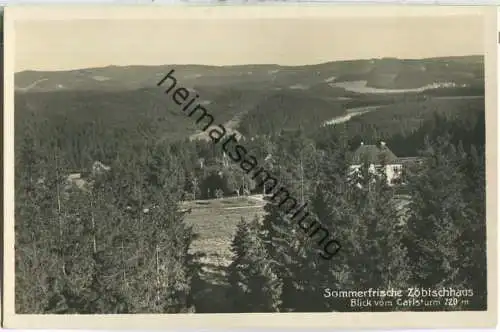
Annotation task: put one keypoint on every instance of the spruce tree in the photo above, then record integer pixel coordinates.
(473, 249)
(165, 261)
(439, 219)
(255, 286)
(359, 207)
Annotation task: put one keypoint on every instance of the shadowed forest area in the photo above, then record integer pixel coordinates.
(158, 222)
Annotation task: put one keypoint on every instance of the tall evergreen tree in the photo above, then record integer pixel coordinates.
(473, 249)
(255, 286)
(439, 218)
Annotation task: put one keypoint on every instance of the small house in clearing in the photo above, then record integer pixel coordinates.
(83, 179)
(378, 155)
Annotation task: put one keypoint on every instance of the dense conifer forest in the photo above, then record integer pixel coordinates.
(121, 242)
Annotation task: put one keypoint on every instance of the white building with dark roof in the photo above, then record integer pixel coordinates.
(376, 156)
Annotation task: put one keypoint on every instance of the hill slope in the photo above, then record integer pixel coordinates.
(381, 73)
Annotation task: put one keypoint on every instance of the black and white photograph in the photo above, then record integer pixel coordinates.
(218, 163)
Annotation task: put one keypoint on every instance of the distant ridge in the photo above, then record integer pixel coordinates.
(380, 73)
(473, 58)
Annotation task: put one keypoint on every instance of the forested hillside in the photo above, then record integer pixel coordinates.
(379, 73)
(132, 239)
(401, 125)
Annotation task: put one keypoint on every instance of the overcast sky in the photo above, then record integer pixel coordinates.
(72, 44)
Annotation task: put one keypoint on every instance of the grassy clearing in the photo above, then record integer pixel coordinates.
(215, 223)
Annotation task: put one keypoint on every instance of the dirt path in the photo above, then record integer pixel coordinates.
(352, 112)
(32, 85)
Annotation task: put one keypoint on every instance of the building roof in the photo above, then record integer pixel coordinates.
(373, 154)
